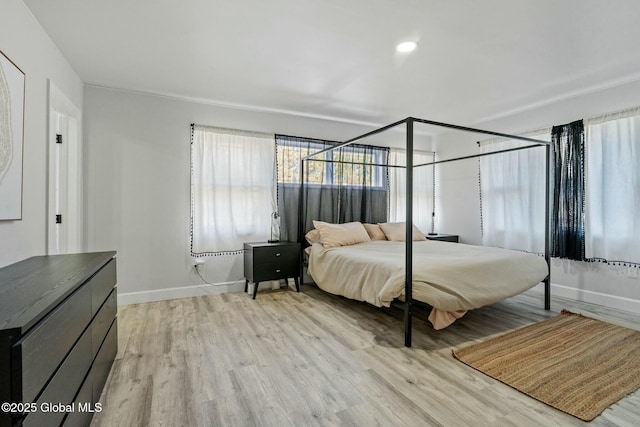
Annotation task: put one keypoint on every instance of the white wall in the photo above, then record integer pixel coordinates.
(458, 207)
(27, 45)
(137, 188)
(137, 194)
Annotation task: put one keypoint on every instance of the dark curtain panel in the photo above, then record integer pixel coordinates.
(567, 219)
(342, 185)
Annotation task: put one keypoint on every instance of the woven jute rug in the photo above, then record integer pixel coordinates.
(574, 363)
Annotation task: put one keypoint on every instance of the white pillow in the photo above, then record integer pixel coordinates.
(313, 236)
(395, 231)
(375, 232)
(333, 235)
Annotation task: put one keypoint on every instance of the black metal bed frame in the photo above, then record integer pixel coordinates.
(408, 303)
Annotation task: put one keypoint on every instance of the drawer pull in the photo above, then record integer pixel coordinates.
(277, 254)
(277, 270)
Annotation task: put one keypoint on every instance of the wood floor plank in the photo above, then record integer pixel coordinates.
(314, 359)
(379, 392)
(427, 390)
(366, 414)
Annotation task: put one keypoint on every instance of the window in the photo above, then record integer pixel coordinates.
(342, 186)
(512, 194)
(232, 189)
(423, 189)
(346, 166)
(608, 228)
(612, 203)
(289, 155)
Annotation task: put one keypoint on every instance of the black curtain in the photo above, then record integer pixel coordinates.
(567, 219)
(341, 185)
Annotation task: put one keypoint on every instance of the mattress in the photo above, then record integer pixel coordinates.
(450, 277)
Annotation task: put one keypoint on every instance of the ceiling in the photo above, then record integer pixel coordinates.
(336, 59)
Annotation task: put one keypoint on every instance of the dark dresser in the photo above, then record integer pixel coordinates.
(271, 261)
(58, 338)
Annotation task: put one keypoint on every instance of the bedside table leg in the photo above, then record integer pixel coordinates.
(255, 289)
(246, 285)
(295, 279)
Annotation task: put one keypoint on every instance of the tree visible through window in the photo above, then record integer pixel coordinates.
(348, 166)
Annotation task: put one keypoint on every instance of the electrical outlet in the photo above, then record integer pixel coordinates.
(197, 262)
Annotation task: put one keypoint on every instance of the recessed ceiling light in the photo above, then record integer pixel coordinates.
(406, 47)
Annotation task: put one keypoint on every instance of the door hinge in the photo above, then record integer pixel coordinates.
(58, 219)
(58, 138)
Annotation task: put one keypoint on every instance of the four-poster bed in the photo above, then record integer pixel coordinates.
(407, 300)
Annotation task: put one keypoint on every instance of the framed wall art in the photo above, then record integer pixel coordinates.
(12, 83)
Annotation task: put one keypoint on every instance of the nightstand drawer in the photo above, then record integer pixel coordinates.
(283, 255)
(274, 271)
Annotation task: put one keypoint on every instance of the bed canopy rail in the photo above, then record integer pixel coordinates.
(409, 123)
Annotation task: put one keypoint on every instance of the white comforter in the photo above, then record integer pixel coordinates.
(451, 277)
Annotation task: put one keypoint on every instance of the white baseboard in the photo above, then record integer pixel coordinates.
(190, 291)
(182, 292)
(613, 301)
(592, 297)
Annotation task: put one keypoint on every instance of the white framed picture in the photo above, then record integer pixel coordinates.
(12, 81)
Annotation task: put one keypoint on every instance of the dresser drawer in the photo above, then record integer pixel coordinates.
(84, 396)
(40, 351)
(104, 359)
(102, 321)
(101, 285)
(64, 384)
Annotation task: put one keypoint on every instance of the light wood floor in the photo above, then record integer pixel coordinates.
(313, 359)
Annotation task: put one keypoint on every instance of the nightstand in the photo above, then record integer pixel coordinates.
(271, 261)
(443, 237)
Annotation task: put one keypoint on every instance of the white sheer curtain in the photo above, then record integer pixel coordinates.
(422, 189)
(513, 194)
(612, 169)
(233, 183)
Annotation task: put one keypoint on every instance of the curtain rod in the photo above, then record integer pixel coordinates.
(622, 114)
(334, 145)
(224, 129)
(307, 138)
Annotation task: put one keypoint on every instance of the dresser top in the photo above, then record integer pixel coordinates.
(31, 288)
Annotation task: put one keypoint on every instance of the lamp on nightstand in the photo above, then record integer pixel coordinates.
(275, 228)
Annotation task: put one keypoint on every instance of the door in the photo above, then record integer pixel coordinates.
(64, 215)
